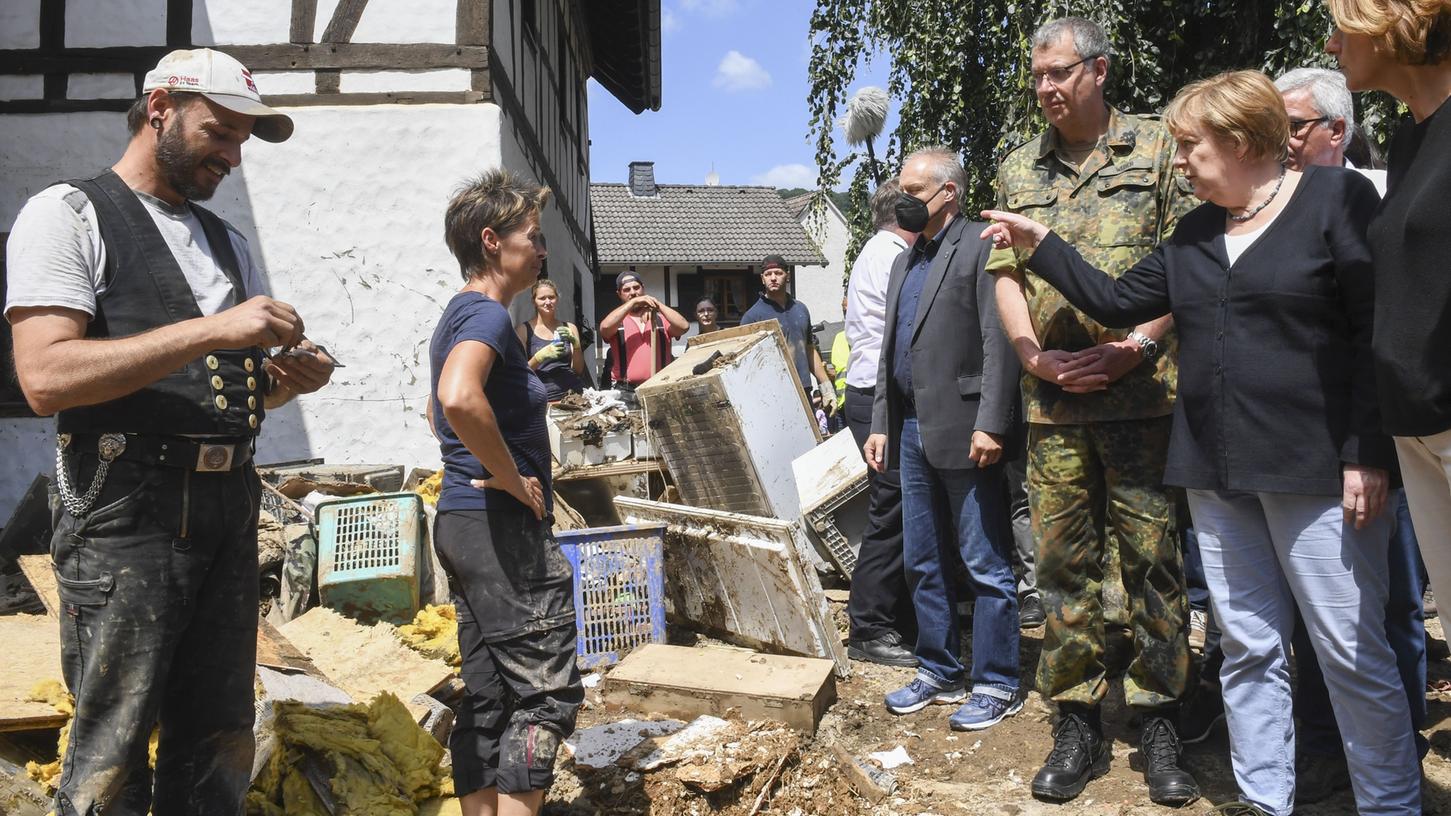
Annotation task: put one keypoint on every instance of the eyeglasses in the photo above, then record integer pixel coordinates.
(1058, 75)
(1299, 127)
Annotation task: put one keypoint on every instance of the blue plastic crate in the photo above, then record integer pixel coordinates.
(619, 589)
(368, 561)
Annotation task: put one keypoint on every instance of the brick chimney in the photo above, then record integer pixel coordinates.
(642, 179)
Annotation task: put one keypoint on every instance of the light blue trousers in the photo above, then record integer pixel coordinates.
(1265, 553)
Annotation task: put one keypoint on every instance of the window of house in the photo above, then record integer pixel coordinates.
(733, 291)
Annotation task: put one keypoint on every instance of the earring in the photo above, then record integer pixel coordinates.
(156, 122)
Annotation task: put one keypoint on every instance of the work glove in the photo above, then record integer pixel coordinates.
(563, 333)
(550, 353)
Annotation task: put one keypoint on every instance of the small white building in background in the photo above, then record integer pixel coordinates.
(821, 287)
(396, 102)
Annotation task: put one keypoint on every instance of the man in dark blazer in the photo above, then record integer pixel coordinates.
(945, 403)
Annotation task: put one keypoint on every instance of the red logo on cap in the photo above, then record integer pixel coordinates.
(247, 77)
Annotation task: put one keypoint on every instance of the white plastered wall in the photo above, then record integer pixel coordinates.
(820, 287)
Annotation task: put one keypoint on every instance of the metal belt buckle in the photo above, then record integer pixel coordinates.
(214, 457)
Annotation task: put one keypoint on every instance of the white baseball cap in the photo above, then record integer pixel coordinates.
(223, 80)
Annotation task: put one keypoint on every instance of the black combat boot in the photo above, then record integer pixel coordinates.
(1159, 748)
(1079, 754)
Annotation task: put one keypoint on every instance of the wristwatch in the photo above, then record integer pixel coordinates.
(1147, 345)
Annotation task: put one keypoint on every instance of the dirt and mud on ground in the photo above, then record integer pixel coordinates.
(951, 772)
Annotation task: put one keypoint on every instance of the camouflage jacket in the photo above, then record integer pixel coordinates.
(1124, 201)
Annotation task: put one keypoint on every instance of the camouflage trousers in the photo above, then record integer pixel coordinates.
(1095, 490)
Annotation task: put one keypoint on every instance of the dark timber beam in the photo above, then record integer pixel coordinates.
(278, 57)
(178, 23)
(344, 21)
(304, 21)
(472, 26)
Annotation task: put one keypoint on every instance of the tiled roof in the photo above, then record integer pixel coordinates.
(697, 224)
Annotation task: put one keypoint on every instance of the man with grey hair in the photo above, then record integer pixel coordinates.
(880, 607)
(1098, 403)
(1322, 121)
(944, 407)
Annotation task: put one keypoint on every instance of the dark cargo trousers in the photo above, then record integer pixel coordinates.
(158, 592)
(513, 591)
(1091, 487)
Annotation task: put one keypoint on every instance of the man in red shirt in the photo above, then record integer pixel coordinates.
(628, 331)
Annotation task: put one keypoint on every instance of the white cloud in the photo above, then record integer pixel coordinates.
(787, 176)
(711, 8)
(738, 72)
(669, 23)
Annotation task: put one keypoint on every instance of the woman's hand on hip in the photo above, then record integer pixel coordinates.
(1364, 494)
(526, 489)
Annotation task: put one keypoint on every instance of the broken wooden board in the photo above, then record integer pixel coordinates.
(685, 683)
(32, 645)
(364, 660)
(275, 651)
(41, 574)
(743, 579)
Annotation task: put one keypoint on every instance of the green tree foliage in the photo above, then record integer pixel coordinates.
(960, 71)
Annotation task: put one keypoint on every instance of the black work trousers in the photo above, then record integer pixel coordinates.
(158, 594)
(880, 601)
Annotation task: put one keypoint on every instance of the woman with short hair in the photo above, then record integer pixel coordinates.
(1403, 47)
(1276, 431)
(511, 585)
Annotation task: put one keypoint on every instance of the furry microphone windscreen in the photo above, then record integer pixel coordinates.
(866, 112)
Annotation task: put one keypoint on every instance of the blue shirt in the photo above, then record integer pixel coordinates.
(909, 299)
(795, 322)
(514, 392)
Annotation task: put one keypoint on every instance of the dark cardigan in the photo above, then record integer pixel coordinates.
(1412, 248)
(1276, 378)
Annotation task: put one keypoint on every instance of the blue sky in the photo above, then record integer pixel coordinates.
(734, 95)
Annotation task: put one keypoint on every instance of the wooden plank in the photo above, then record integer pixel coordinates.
(344, 20)
(325, 82)
(364, 661)
(178, 23)
(685, 683)
(390, 98)
(41, 575)
(304, 21)
(275, 651)
(32, 655)
(624, 467)
(472, 24)
(270, 57)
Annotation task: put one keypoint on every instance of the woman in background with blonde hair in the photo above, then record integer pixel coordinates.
(553, 345)
(1276, 434)
(1403, 47)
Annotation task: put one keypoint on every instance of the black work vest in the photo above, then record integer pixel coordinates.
(219, 393)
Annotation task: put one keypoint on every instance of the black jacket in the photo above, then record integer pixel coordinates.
(1276, 380)
(964, 372)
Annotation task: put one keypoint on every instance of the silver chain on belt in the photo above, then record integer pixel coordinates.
(109, 447)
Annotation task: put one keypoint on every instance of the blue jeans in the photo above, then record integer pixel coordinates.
(964, 510)
(1265, 554)
(1405, 629)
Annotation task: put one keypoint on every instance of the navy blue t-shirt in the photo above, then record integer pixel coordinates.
(514, 392)
(795, 324)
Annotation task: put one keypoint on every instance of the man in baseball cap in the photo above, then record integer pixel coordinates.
(639, 331)
(224, 81)
(143, 322)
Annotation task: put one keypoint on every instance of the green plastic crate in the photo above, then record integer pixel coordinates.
(368, 555)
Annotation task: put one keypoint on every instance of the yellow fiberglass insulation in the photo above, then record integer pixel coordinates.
(430, 488)
(433, 633)
(54, 693)
(374, 759)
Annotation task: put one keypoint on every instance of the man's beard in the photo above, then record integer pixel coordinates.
(180, 167)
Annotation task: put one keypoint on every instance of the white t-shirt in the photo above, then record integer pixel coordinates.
(866, 306)
(55, 256)
(1235, 245)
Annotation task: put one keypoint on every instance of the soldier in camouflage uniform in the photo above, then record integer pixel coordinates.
(1098, 404)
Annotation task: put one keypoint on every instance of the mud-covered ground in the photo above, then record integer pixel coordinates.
(952, 772)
